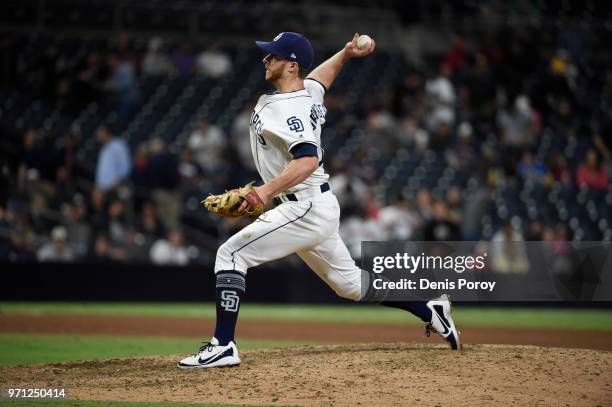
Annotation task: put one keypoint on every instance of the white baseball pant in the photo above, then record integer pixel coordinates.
(307, 227)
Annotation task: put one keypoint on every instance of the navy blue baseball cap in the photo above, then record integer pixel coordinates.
(291, 46)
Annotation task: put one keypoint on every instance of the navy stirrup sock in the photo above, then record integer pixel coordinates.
(418, 308)
(230, 288)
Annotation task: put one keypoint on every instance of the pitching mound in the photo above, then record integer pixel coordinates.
(397, 374)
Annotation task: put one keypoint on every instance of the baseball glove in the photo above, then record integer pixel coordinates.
(228, 204)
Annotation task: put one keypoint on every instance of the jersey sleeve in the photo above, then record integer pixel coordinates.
(316, 89)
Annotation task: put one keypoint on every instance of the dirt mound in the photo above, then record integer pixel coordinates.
(397, 374)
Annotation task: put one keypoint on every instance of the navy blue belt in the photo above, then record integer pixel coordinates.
(292, 197)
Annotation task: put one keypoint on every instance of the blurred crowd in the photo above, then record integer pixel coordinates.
(129, 208)
(481, 109)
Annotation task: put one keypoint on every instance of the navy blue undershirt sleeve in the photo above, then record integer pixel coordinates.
(304, 150)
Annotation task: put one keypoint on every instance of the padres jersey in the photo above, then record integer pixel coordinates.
(280, 125)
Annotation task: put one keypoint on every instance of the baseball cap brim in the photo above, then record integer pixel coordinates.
(271, 48)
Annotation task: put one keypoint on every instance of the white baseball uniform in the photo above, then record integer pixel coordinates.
(280, 124)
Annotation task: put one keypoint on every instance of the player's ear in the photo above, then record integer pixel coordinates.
(293, 67)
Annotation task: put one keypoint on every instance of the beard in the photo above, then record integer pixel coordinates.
(273, 75)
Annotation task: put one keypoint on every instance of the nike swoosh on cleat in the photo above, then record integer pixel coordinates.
(440, 311)
(214, 358)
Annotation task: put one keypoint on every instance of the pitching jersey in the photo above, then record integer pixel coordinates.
(284, 125)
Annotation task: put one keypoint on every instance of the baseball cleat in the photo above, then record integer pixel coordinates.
(442, 321)
(211, 354)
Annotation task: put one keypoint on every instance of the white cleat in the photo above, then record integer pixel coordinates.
(442, 321)
(211, 354)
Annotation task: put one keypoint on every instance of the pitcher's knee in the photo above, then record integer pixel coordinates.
(347, 289)
(228, 259)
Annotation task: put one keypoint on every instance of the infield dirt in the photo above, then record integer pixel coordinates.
(199, 328)
(396, 374)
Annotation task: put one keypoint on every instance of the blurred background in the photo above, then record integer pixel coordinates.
(472, 121)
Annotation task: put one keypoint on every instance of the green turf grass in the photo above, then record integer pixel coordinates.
(90, 403)
(18, 349)
(574, 319)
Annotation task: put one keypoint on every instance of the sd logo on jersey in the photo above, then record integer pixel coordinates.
(295, 124)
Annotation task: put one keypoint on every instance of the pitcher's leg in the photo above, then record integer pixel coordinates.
(274, 235)
(331, 261)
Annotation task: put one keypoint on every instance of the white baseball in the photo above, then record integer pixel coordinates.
(364, 41)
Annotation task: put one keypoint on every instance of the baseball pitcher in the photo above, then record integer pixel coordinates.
(285, 136)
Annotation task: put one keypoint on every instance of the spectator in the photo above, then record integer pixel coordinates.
(98, 215)
(441, 227)
(441, 125)
(116, 222)
(165, 179)
(57, 250)
(535, 231)
(134, 246)
(481, 87)
(140, 172)
(562, 235)
(454, 199)
(530, 169)
(351, 191)
(456, 56)
(183, 59)
(476, 203)
(170, 251)
(592, 173)
(191, 173)
(507, 251)
(89, 82)
(382, 131)
(77, 227)
(398, 220)
(441, 98)
(560, 171)
(114, 161)
(463, 155)
(239, 136)
(150, 225)
(555, 84)
(518, 127)
(124, 87)
(66, 149)
(20, 248)
(408, 95)
(39, 155)
(208, 143)
(424, 204)
(213, 63)
(411, 134)
(559, 251)
(155, 62)
(357, 228)
(104, 252)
